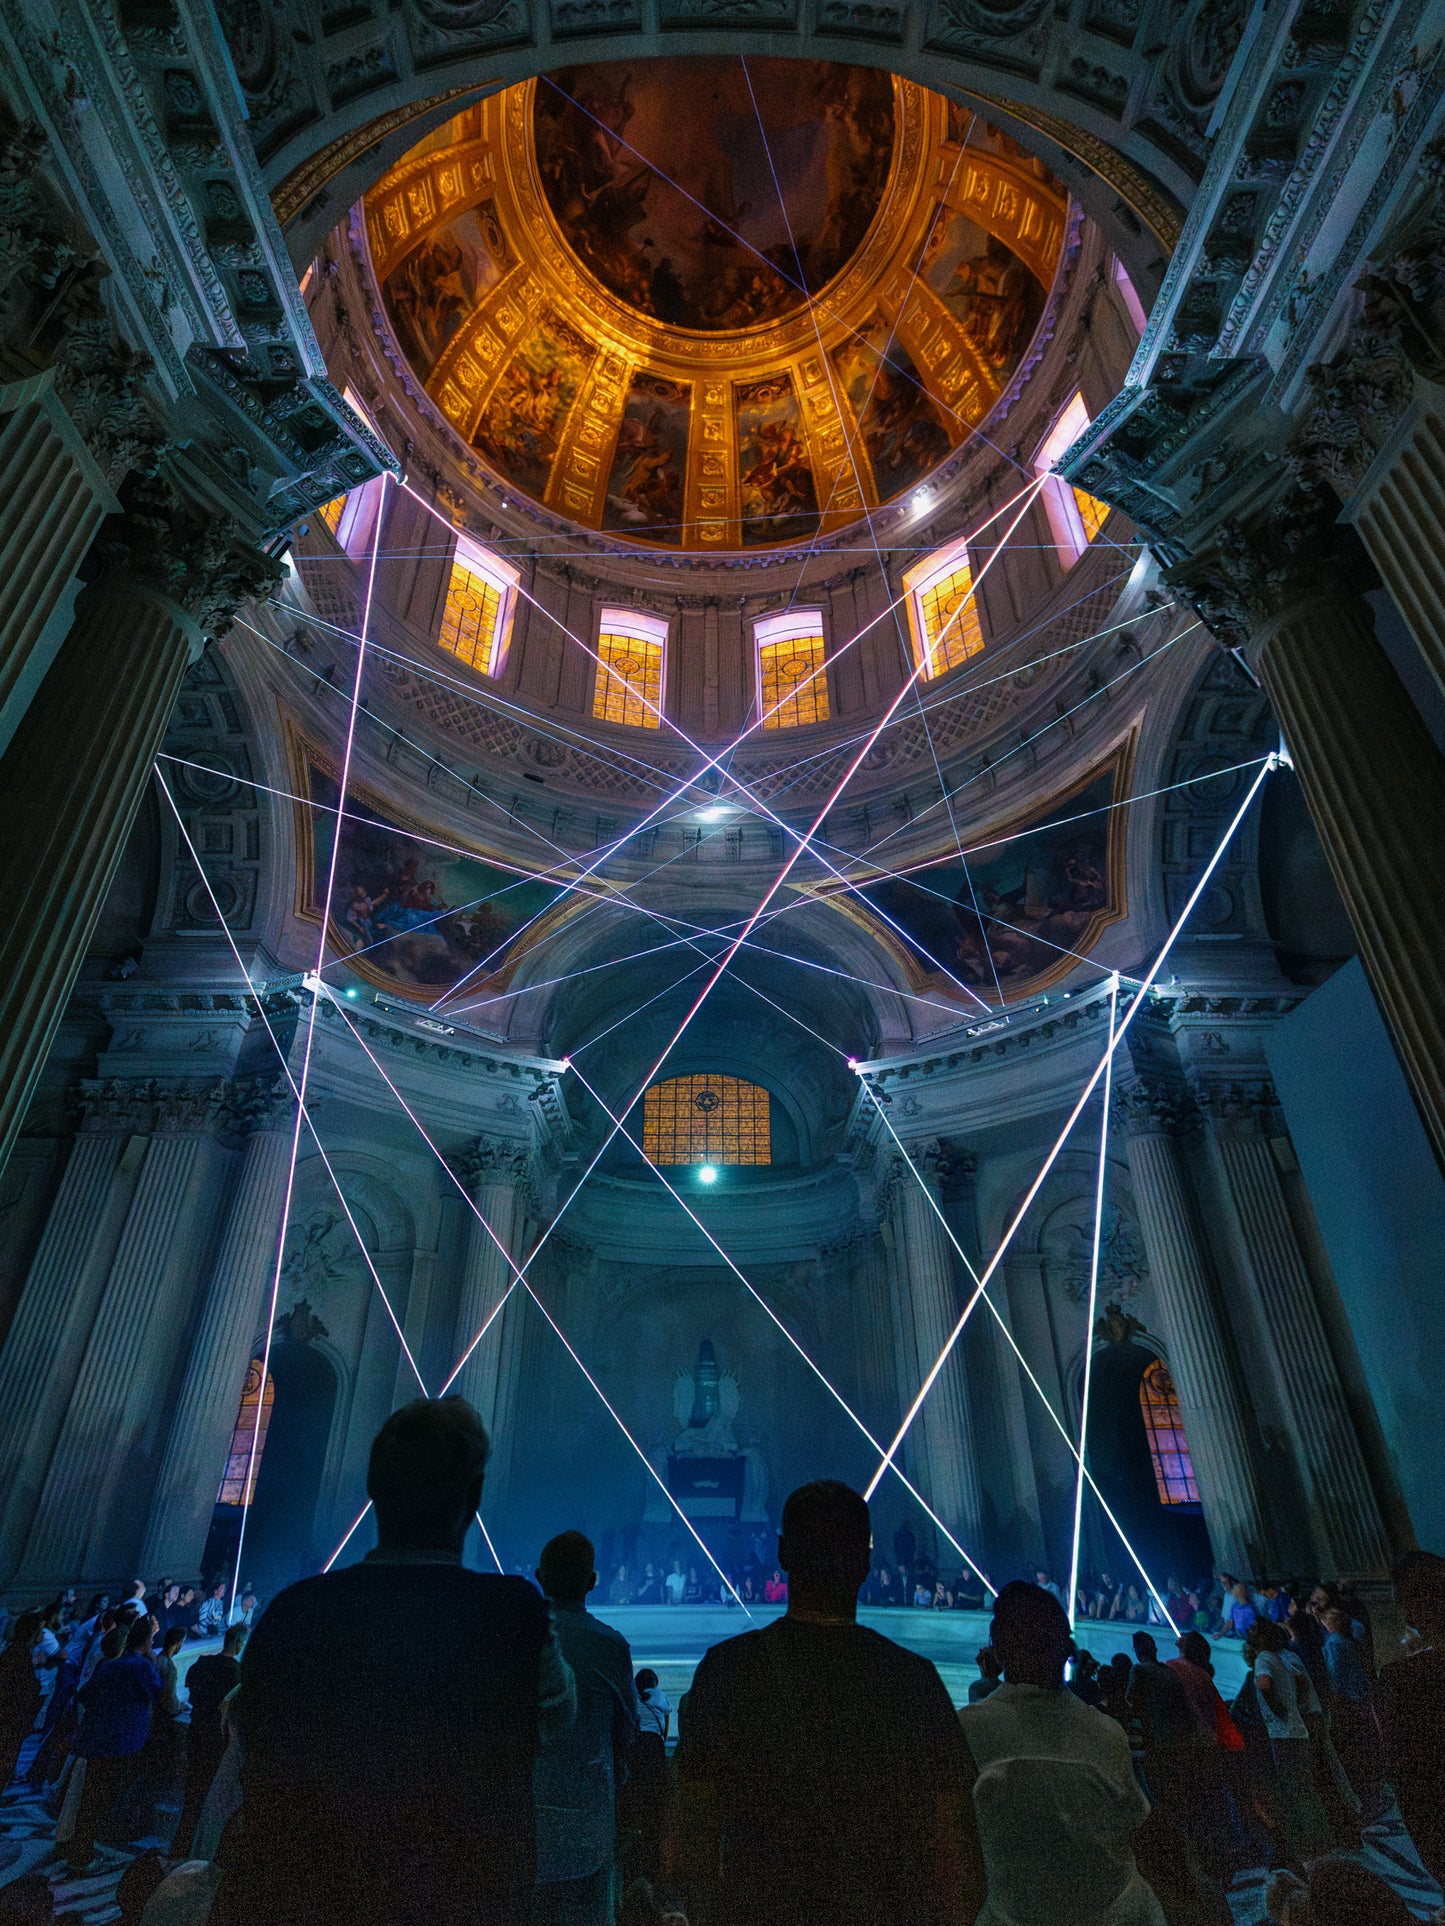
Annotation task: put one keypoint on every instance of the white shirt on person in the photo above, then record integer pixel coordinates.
(653, 1709)
(1057, 1804)
(676, 1586)
(1276, 1688)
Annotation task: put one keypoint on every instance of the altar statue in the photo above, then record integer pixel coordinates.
(705, 1467)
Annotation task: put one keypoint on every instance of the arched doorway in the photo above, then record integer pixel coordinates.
(298, 1404)
(1139, 1454)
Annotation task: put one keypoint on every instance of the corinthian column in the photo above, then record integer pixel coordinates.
(1290, 592)
(232, 1316)
(495, 1173)
(1347, 1533)
(945, 1455)
(98, 1488)
(1211, 1401)
(47, 1338)
(77, 766)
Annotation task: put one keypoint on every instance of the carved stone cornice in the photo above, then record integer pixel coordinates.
(189, 1109)
(259, 1103)
(142, 1106)
(1151, 1107)
(1254, 573)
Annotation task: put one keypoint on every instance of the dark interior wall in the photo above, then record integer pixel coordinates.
(1380, 1201)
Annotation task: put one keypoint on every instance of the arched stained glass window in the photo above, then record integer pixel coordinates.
(792, 682)
(233, 1482)
(943, 610)
(628, 688)
(1168, 1446)
(707, 1120)
(477, 614)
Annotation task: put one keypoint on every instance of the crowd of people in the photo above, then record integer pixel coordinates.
(405, 1742)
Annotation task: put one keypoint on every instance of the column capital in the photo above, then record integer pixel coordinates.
(1241, 1104)
(259, 1103)
(1148, 1106)
(199, 564)
(493, 1160)
(189, 1108)
(1256, 573)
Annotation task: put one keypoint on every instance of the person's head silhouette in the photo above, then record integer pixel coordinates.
(566, 1570)
(425, 1476)
(1030, 1635)
(824, 1545)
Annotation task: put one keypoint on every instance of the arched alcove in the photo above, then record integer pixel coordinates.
(1169, 1536)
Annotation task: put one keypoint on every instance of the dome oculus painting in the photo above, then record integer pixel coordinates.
(727, 214)
(713, 304)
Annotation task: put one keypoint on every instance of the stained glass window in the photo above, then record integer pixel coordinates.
(792, 682)
(943, 611)
(1074, 515)
(332, 511)
(628, 688)
(478, 611)
(707, 1119)
(233, 1482)
(1168, 1446)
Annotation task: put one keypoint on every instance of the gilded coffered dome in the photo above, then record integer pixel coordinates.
(715, 305)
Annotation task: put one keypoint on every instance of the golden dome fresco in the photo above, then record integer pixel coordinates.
(713, 304)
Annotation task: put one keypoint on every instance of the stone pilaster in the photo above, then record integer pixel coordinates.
(232, 1319)
(945, 1456)
(1205, 1373)
(1289, 592)
(97, 1489)
(1347, 1534)
(496, 1174)
(78, 764)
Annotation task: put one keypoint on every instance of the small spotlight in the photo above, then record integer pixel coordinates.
(353, 993)
(922, 497)
(852, 1063)
(714, 815)
(707, 1174)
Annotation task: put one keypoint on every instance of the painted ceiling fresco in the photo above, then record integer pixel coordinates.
(729, 214)
(710, 305)
(1028, 901)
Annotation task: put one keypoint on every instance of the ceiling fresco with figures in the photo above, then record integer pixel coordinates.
(710, 304)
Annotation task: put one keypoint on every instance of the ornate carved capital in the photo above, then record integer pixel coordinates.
(188, 1108)
(493, 1160)
(259, 1103)
(1150, 1107)
(1256, 573)
(112, 1104)
(1241, 1105)
(205, 565)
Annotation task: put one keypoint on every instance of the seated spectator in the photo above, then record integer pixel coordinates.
(990, 1675)
(775, 1591)
(117, 1702)
(575, 1779)
(676, 1584)
(1054, 1785)
(1410, 1699)
(1136, 1609)
(211, 1619)
(653, 1704)
(1047, 1584)
(887, 1590)
(20, 1691)
(389, 1714)
(243, 1612)
(1239, 1611)
(821, 1773)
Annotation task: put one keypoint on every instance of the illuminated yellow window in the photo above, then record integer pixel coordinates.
(628, 688)
(943, 611)
(1075, 516)
(331, 512)
(245, 1438)
(1168, 1446)
(707, 1120)
(792, 682)
(477, 616)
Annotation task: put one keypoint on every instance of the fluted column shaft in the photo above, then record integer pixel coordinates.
(1346, 1530)
(47, 1339)
(948, 1463)
(1375, 785)
(53, 497)
(1210, 1400)
(98, 1487)
(231, 1319)
(485, 1277)
(70, 784)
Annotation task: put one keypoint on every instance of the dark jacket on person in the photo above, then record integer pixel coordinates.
(389, 1716)
(117, 1700)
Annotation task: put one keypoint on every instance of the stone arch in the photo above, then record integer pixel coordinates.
(1119, 111)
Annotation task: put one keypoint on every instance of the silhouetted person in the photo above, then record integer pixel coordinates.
(19, 1691)
(117, 1701)
(211, 1679)
(820, 1769)
(1053, 1784)
(389, 1714)
(1410, 1700)
(575, 1778)
(990, 1675)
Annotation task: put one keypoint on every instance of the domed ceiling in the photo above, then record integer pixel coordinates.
(710, 304)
